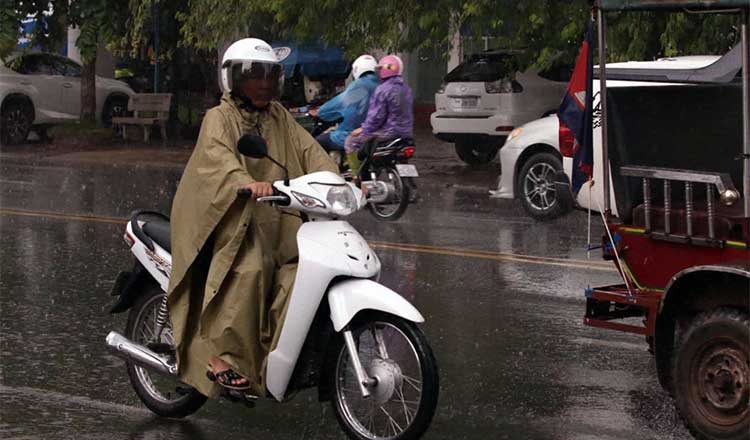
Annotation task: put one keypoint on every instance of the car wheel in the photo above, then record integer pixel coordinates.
(17, 117)
(115, 106)
(536, 183)
(711, 374)
(474, 153)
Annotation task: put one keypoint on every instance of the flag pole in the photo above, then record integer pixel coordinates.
(603, 104)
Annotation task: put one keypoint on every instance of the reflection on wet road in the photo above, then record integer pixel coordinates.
(501, 294)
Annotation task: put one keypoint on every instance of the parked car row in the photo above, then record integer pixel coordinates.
(530, 157)
(483, 99)
(42, 89)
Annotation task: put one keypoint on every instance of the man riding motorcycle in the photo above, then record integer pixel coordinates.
(351, 104)
(234, 261)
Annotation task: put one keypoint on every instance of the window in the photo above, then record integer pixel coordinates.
(559, 72)
(67, 67)
(482, 68)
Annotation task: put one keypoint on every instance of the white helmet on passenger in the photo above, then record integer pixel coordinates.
(362, 65)
(249, 58)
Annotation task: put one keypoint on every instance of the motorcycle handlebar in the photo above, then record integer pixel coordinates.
(278, 197)
(244, 192)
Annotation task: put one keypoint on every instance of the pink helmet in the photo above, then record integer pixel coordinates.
(390, 65)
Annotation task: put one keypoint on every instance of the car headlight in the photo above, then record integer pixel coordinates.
(340, 197)
(515, 133)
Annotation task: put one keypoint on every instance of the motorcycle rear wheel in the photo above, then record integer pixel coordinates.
(391, 211)
(403, 401)
(164, 395)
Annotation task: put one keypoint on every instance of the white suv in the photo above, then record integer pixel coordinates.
(483, 99)
(40, 89)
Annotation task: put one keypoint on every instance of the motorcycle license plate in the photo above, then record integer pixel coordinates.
(407, 170)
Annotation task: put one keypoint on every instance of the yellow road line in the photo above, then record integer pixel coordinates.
(404, 247)
(578, 264)
(480, 253)
(49, 214)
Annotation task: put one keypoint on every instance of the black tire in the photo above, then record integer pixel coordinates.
(475, 153)
(391, 211)
(392, 329)
(116, 105)
(537, 189)
(181, 402)
(17, 117)
(711, 371)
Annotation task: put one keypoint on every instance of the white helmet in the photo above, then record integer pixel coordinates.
(363, 64)
(249, 58)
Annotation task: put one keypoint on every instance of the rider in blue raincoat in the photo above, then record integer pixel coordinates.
(351, 105)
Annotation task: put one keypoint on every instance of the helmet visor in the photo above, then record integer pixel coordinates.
(242, 71)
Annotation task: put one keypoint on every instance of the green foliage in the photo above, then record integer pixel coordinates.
(9, 24)
(98, 21)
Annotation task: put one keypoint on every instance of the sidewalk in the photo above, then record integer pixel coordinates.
(435, 160)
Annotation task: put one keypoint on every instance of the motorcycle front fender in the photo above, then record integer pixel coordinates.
(349, 297)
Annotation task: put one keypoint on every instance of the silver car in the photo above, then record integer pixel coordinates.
(483, 99)
(41, 89)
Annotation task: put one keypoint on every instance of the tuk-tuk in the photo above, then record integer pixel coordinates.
(679, 158)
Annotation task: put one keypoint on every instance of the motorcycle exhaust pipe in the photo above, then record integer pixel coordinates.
(138, 354)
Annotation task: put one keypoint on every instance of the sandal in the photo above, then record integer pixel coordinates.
(226, 377)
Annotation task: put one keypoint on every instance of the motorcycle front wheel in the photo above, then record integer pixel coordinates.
(402, 403)
(396, 206)
(164, 395)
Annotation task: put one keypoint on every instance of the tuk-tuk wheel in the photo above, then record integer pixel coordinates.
(712, 375)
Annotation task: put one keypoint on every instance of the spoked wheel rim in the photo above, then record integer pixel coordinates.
(390, 357)
(390, 208)
(539, 186)
(720, 384)
(17, 124)
(160, 386)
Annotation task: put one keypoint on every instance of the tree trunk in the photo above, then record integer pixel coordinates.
(88, 92)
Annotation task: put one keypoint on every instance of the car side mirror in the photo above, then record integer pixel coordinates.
(253, 146)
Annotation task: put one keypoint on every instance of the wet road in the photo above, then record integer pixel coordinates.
(502, 296)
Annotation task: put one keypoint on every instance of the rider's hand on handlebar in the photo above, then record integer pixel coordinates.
(313, 112)
(259, 189)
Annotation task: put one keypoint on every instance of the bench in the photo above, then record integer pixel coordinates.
(148, 109)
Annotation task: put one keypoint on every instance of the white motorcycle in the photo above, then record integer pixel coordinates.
(355, 339)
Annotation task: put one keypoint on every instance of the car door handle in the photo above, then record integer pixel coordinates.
(67, 85)
(25, 83)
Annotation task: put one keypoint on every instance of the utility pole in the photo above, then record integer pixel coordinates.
(155, 16)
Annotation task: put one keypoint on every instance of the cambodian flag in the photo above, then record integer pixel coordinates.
(575, 114)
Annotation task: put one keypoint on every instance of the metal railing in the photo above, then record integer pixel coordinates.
(713, 182)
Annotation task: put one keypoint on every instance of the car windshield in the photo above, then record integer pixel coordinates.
(482, 68)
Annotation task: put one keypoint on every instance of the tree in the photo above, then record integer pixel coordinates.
(98, 21)
(549, 30)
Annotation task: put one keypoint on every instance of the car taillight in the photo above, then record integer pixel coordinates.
(567, 141)
(407, 153)
(504, 85)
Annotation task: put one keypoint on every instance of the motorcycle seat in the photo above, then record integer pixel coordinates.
(158, 230)
(394, 143)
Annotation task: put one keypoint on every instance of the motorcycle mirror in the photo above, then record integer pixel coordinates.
(253, 146)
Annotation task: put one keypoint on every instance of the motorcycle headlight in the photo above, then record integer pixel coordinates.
(341, 199)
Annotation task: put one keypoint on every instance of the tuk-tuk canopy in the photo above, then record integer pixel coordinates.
(640, 5)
